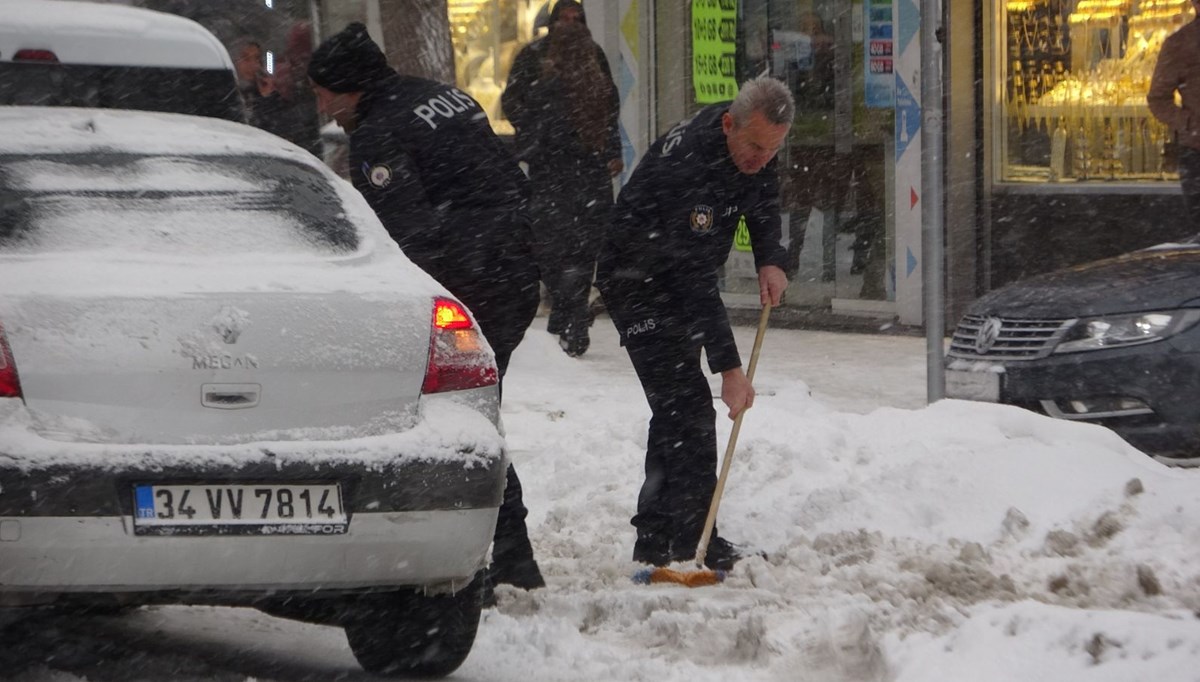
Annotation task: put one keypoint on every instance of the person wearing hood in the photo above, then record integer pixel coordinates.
(674, 226)
(562, 101)
(448, 191)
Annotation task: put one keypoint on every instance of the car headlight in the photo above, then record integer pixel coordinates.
(1113, 331)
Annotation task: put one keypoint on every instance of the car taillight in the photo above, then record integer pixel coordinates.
(457, 359)
(10, 385)
(45, 56)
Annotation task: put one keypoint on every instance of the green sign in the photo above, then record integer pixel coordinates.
(741, 238)
(714, 50)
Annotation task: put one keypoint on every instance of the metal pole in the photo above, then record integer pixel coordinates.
(932, 213)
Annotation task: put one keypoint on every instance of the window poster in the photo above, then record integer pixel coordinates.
(714, 50)
(879, 47)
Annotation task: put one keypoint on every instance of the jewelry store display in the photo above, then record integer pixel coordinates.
(1078, 72)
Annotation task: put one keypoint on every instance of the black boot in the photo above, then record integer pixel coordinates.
(652, 549)
(574, 343)
(522, 573)
(574, 339)
(512, 555)
(721, 555)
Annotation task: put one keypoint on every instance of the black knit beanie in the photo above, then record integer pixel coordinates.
(349, 61)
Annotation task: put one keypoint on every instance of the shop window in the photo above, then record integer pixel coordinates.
(487, 34)
(1072, 84)
(833, 169)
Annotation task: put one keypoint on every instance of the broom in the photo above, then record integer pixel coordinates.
(703, 576)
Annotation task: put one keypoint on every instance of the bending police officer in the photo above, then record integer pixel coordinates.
(425, 158)
(674, 227)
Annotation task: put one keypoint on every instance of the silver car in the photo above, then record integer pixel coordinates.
(221, 382)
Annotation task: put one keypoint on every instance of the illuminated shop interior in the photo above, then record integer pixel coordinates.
(1071, 85)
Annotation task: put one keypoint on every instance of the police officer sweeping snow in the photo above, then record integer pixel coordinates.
(446, 189)
(674, 228)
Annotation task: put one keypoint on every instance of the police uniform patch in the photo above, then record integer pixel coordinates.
(702, 219)
(380, 175)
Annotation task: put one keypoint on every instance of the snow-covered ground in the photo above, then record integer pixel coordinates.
(906, 544)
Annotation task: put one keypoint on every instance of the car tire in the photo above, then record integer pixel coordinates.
(408, 634)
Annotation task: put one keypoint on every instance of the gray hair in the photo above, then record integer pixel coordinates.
(766, 95)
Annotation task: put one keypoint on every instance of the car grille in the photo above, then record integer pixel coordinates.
(1018, 339)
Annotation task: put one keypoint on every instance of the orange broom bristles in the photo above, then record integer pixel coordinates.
(699, 578)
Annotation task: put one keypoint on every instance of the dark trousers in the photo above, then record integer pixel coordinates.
(504, 305)
(1189, 181)
(571, 209)
(509, 317)
(681, 452)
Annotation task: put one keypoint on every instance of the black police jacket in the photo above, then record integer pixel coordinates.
(442, 183)
(674, 227)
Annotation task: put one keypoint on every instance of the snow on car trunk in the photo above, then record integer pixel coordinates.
(219, 367)
(220, 288)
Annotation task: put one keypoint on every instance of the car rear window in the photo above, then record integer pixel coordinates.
(182, 205)
(200, 92)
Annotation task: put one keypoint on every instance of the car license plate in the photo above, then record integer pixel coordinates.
(239, 509)
(983, 386)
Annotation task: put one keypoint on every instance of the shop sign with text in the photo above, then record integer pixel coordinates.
(714, 50)
(879, 47)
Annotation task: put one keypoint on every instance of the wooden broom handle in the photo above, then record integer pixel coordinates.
(711, 521)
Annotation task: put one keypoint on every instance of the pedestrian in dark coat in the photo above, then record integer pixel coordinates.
(674, 227)
(1178, 71)
(451, 195)
(564, 106)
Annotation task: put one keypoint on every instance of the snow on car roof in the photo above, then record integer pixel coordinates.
(111, 35)
(42, 130)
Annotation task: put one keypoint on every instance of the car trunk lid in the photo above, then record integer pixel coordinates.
(220, 368)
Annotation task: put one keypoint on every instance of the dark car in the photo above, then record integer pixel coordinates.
(1114, 342)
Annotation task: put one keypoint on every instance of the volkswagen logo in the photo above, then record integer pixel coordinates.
(987, 335)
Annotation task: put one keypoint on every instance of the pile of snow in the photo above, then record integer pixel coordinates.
(949, 542)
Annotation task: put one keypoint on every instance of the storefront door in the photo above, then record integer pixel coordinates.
(834, 165)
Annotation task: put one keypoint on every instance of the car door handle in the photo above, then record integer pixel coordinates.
(230, 396)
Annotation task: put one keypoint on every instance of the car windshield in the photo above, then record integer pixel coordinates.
(183, 205)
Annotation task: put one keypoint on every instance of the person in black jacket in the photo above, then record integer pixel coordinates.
(562, 101)
(674, 226)
(450, 193)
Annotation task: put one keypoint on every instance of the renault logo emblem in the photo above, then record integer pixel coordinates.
(230, 322)
(987, 335)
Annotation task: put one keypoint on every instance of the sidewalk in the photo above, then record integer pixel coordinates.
(786, 316)
(821, 319)
(850, 370)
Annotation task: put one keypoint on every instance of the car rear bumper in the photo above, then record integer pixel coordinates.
(70, 528)
(97, 489)
(56, 555)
